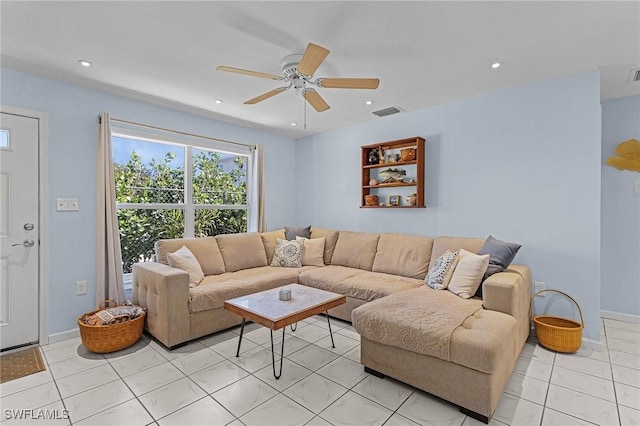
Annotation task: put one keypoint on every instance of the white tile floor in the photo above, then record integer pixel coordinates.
(204, 383)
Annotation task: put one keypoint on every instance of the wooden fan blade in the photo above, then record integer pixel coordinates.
(315, 100)
(312, 58)
(349, 83)
(249, 72)
(265, 96)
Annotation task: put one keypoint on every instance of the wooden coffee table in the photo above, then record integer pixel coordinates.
(267, 309)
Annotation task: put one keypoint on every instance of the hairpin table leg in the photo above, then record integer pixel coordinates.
(273, 358)
(333, 345)
(240, 339)
(294, 328)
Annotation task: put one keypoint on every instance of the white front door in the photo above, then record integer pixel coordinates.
(19, 233)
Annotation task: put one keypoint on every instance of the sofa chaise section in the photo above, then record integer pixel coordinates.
(469, 361)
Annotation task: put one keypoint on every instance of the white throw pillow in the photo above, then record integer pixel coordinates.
(185, 260)
(313, 253)
(468, 273)
(288, 254)
(440, 273)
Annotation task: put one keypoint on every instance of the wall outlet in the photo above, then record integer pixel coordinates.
(538, 286)
(81, 287)
(67, 205)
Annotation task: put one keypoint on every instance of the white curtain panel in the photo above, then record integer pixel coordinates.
(257, 220)
(109, 283)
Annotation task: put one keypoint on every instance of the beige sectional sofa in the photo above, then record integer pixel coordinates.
(461, 350)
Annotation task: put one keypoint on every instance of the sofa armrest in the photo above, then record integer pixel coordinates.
(164, 291)
(509, 292)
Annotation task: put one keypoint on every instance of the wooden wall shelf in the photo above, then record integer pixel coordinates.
(416, 170)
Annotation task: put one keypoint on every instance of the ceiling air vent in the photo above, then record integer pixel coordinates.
(387, 111)
(634, 77)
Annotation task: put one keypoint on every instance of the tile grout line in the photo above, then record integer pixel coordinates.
(613, 379)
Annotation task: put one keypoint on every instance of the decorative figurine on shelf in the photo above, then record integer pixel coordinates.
(411, 199)
(374, 157)
(373, 182)
(393, 158)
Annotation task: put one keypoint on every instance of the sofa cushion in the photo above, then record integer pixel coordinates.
(185, 260)
(442, 244)
(330, 278)
(420, 320)
(484, 340)
(374, 285)
(291, 232)
(215, 289)
(468, 273)
(403, 255)
(269, 241)
(331, 238)
(242, 251)
(206, 250)
(288, 254)
(355, 250)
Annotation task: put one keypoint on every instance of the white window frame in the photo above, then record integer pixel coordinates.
(189, 143)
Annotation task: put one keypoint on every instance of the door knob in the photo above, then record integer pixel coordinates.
(25, 243)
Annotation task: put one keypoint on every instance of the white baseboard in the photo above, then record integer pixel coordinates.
(619, 316)
(64, 335)
(595, 345)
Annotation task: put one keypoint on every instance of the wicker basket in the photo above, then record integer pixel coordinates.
(110, 338)
(371, 200)
(408, 154)
(556, 333)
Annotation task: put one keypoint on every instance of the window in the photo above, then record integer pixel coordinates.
(172, 189)
(4, 139)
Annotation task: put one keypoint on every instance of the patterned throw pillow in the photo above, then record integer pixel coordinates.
(288, 254)
(437, 277)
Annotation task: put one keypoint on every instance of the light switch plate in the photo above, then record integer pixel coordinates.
(67, 204)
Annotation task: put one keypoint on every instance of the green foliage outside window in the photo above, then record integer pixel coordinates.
(161, 182)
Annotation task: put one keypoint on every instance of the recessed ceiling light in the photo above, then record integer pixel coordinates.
(84, 63)
(495, 65)
(294, 124)
(219, 101)
(368, 102)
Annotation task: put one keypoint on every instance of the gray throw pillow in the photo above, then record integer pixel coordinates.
(291, 232)
(501, 254)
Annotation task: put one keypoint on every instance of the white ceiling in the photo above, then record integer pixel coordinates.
(425, 53)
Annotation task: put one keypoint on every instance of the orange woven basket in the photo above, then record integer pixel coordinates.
(110, 338)
(408, 154)
(557, 333)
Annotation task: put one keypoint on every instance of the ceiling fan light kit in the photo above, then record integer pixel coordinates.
(297, 71)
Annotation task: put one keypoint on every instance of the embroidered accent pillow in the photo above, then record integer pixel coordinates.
(288, 254)
(185, 260)
(440, 273)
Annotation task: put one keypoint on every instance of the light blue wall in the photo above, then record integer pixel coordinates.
(620, 211)
(522, 165)
(73, 113)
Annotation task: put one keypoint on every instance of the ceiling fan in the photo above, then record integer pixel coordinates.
(297, 71)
